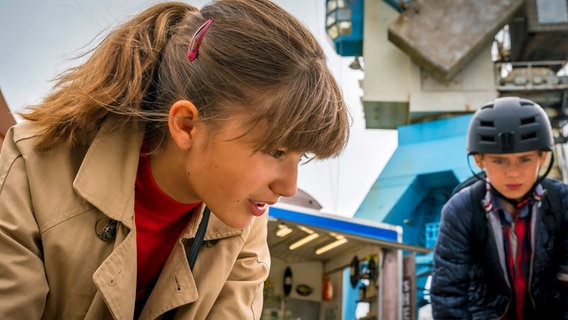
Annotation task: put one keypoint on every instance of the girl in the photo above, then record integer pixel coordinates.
(139, 187)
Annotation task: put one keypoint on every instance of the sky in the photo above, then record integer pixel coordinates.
(40, 38)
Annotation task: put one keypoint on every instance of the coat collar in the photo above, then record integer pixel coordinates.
(216, 229)
(108, 171)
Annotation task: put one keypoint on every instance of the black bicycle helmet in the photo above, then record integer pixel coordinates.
(509, 125)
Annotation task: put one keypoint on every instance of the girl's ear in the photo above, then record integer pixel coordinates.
(478, 160)
(182, 119)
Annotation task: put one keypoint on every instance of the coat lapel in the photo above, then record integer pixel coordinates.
(116, 278)
(107, 175)
(106, 180)
(175, 286)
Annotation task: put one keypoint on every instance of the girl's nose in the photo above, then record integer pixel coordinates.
(286, 183)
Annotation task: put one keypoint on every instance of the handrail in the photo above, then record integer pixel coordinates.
(531, 75)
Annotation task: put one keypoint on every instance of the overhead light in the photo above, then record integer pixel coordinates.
(303, 241)
(331, 245)
(306, 230)
(283, 230)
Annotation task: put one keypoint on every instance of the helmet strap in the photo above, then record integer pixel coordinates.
(515, 203)
(476, 174)
(550, 164)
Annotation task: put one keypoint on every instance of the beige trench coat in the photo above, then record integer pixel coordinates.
(54, 266)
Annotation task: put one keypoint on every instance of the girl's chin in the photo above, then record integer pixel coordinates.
(238, 222)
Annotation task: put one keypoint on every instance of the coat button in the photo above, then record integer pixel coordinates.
(106, 229)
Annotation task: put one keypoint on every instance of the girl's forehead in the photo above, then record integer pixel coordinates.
(240, 127)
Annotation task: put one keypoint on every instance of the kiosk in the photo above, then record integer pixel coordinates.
(330, 267)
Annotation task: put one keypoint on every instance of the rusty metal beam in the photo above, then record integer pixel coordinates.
(443, 36)
(6, 118)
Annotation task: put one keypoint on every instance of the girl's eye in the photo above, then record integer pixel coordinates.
(277, 153)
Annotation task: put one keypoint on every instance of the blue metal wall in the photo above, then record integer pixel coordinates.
(429, 162)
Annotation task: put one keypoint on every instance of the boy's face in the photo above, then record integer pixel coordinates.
(513, 174)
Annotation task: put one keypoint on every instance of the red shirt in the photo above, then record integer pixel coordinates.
(159, 222)
(518, 249)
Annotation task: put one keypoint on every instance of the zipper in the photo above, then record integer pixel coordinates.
(504, 276)
(534, 218)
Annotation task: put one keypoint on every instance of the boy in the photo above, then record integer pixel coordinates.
(501, 251)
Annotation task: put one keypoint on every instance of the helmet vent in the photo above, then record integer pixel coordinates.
(528, 120)
(526, 103)
(483, 123)
(487, 138)
(528, 136)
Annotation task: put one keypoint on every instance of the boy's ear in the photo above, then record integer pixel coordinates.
(543, 157)
(478, 160)
(182, 118)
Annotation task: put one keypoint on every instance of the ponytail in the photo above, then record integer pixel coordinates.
(116, 79)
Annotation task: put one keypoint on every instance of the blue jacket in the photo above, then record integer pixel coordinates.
(469, 279)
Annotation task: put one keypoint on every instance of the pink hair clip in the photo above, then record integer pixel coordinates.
(195, 43)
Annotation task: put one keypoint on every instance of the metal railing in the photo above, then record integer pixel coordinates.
(531, 76)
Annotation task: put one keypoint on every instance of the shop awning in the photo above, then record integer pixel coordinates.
(298, 223)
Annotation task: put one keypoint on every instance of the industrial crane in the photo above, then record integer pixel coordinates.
(428, 65)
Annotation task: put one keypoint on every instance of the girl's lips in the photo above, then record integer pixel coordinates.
(257, 208)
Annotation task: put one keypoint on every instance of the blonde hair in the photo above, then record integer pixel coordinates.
(255, 58)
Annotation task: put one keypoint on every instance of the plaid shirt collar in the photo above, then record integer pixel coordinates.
(516, 230)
